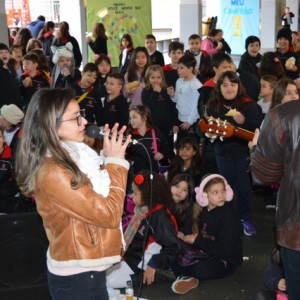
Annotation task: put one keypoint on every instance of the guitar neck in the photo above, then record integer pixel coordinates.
(243, 133)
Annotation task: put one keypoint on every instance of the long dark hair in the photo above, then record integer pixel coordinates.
(99, 31)
(217, 99)
(63, 30)
(132, 68)
(40, 138)
(197, 167)
(160, 191)
(270, 65)
(145, 113)
(22, 38)
(47, 27)
(129, 39)
(179, 209)
(279, 91)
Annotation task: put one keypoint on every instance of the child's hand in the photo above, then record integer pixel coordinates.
(239, 118)
(170, 91)
(282, 284)
(180, 235)
(190, 239)
(185, 125)
(158, 156)
(157, 88)
(220, 46)
(175, 129)
(148, 276)
(65, 72)
(27, 82)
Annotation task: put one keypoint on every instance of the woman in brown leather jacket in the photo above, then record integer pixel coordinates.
(81, 204)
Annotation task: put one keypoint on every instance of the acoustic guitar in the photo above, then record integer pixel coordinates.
(217, 128)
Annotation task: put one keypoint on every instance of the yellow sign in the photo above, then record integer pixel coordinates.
(119, 17)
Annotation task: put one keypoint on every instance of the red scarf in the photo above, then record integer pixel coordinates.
(49, 33)
(6, 153)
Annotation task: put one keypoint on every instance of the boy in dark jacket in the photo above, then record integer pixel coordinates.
(32, 79)
(156, 57)
(116, 108)
(170, 70)
(87, 96)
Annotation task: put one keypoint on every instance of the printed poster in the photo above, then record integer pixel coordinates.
(239, 19)
(120, 17)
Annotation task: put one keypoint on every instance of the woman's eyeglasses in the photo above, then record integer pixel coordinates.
(78, 118)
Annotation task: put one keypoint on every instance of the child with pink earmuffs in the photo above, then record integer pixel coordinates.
(214, 240)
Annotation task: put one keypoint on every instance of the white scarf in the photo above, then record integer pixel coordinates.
(88, 162)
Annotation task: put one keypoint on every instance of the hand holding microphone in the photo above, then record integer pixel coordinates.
(114, 146)
(115, 143)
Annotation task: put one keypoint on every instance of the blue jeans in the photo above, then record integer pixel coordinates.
(87, 286)
(291, 265)
(236, 173)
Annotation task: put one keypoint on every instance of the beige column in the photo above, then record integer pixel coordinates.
(73, 12)
(294, 7)
(3, 25)
(268, 25)
(190, 19)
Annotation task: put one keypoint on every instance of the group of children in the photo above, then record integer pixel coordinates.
(159, 101)
(170, 219)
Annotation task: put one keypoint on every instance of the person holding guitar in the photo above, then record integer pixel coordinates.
(230, 102)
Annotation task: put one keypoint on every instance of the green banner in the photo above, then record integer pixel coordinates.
(119, 17)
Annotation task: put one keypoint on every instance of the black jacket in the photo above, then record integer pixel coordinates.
(163, 110)
(100, 86)
(220, 233)
(123, 69)
(116, 111)
(137, 155)
(235, 147)
(9, 88)
(46, 41)
(39, 81)
(99, 46)
(248, 72)
(91, 104)
(162, 231)
(157, 58)
(171, 75)
(249, 64)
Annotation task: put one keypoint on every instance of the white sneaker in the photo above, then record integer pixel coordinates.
(184, 284)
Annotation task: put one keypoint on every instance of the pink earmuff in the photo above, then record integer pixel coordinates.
(201, 196)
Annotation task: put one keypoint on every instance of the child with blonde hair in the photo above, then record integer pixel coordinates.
(155, 97)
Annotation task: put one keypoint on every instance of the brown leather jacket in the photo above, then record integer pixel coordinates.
(80, 224)
(277, 158)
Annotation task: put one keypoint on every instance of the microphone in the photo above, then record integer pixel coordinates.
(94, 131)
